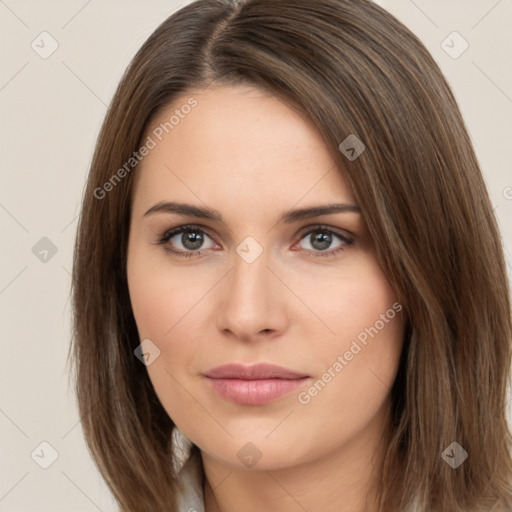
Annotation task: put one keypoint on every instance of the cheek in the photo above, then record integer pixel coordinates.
(155, 304)
(357, 363)
(161, 296)
(163, 306)
(170, 307)
(357, 367)
(357, 302)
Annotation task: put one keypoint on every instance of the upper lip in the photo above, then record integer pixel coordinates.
(253, 372)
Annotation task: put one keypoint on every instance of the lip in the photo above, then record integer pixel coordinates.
(253, 372)
(254, 385)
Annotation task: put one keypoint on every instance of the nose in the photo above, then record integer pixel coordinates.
(253, 302)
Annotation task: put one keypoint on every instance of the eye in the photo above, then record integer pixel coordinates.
(190, 238)
(320, 240)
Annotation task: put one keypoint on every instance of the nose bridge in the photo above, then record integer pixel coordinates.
(249, 281)
(250, 300)
(250, 267)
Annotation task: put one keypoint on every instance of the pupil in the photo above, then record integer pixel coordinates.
(192, 240)
(323, 239)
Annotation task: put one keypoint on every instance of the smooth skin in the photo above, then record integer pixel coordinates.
(251, 157)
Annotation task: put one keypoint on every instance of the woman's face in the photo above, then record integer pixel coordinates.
(262, 278)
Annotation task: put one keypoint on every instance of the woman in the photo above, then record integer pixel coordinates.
(289, 288)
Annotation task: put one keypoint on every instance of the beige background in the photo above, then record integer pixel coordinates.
(51, 110)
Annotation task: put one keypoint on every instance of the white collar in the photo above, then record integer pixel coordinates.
(190, 474)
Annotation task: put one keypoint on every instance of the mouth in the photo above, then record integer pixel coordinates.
(254, 385)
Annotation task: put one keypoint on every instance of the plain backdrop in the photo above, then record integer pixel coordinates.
(51, 109)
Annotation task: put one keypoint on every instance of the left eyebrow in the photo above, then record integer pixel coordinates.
(288, 217)
(317, 211)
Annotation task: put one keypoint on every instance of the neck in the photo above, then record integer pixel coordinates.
(343, 480)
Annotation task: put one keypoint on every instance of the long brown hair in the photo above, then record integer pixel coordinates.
(353, 69)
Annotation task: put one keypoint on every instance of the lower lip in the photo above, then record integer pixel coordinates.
(254, 392)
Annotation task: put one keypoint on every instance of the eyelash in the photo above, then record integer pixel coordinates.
(167, 235)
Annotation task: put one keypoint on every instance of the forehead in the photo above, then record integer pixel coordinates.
(237, 138)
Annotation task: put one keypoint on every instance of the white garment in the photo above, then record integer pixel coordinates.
(189, 467)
